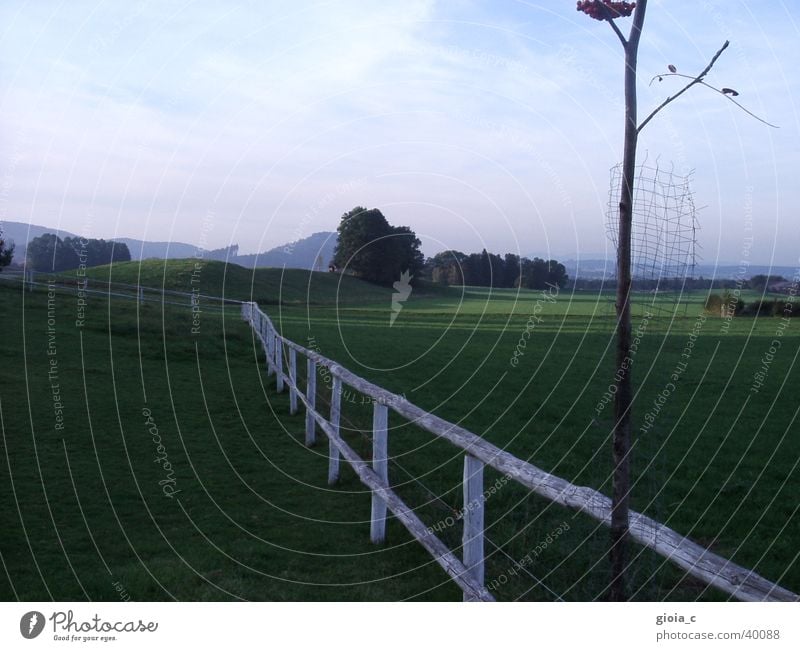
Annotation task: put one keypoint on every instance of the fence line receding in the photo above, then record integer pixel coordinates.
(468, 573)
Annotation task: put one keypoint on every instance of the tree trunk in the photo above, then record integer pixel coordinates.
(621, 436)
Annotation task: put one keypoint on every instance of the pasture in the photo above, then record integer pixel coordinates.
(716, 440)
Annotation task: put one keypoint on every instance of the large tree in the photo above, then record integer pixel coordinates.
(370, 248)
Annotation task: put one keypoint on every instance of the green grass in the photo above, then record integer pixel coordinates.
(266, 286)
(255, 518)
(82, 507)
(718, 464)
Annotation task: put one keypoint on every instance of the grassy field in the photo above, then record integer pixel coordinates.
(716, 455)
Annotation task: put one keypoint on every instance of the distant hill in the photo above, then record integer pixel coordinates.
(597, 268)
(22, 233)
(312, 252)
(143, 250)
(302, 254)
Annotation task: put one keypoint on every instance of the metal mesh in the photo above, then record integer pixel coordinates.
(664, 229)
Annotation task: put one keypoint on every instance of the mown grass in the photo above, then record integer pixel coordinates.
(266, 286)
(254, 518)
(718, 463)
(82, 507)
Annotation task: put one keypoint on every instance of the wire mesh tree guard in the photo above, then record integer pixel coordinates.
(664, 231)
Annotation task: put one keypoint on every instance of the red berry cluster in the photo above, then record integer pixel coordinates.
(606, 9)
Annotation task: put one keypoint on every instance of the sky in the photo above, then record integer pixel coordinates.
(487, 124)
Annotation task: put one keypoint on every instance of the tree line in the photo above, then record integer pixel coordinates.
(370, 248)
(49, 252)
(486, 269)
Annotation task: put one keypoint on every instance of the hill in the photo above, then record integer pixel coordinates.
(302, 254)
(267, 286)
(312, 252)
(21, 233)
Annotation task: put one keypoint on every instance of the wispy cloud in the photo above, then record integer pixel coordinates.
(460, 116)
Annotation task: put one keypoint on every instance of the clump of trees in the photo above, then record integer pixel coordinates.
(370, 248)
(6, 252)
(728, 304)
(49, 252)
(761, 282)
(486, 269)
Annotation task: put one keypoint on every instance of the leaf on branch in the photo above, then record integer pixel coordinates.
(730, 91)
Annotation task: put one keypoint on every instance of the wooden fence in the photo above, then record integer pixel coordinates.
(468, 572)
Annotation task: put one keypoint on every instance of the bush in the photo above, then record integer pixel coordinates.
(759, 308)
(719, 305)
(786, 308)
(714, 304)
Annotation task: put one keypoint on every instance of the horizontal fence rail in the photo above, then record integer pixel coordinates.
(697, 561)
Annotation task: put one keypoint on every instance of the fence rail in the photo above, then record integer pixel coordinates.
(468, 574)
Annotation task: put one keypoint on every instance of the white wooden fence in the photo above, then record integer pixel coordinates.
(468, 572)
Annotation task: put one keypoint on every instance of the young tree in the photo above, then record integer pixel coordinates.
(608, 11)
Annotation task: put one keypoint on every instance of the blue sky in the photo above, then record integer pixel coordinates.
(478, 124)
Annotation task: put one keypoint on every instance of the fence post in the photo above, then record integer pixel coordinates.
(141, 293)
(279, 361)
(336, 415)
(292, 381)
(311, 398)
(473, 517)
(380, 464)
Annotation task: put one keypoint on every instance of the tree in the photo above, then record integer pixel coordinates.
(608, 11)
(447, 268)
(6, 252)
(49, 253)
(761, 282)
(370, 248)
(93, 252)
(539, 274)
(512, 270)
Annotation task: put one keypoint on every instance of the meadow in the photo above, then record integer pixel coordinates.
(87, 505)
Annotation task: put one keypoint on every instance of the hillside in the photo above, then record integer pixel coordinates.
(264, 285)
(21, 233)
(314, 251)
(305, 253)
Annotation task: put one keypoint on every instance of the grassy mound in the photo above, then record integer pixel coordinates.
(267, 286)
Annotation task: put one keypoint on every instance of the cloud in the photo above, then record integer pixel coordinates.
(458, 115)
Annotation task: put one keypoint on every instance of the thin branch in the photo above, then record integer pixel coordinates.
(721, 92)
(618, 32)
(750, 113)
(695, 80)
